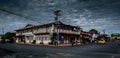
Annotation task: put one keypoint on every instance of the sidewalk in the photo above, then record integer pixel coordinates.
(65, 44)
(50, 45)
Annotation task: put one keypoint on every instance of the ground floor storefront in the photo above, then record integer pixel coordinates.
(46, 39)
(63, 38)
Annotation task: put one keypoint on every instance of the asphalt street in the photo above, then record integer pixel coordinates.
(109, 50)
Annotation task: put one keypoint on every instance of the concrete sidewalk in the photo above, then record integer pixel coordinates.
(50, 45)
(65, 44)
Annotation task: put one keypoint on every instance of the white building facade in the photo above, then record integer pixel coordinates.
(46, 33)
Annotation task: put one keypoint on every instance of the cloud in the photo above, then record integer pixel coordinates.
(98, 14)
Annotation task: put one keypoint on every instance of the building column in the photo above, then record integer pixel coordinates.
(33, 39)
(17, 40)
(67, 40)
(26, 39)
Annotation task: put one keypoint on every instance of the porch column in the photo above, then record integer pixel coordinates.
(17, 40)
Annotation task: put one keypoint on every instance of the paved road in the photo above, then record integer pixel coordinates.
(109, 50)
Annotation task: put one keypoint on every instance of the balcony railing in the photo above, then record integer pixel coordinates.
(67, 31)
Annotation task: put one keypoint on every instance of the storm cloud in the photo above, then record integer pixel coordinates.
(88, 14)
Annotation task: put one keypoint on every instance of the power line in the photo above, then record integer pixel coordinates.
(26, 17)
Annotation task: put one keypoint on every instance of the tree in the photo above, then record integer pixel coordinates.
(93, 31)
(8, 36)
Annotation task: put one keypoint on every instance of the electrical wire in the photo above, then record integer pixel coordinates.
(13, 13)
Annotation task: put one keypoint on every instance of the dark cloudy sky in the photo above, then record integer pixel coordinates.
(88, 14)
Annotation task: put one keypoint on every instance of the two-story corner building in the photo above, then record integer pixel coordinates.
(46, 33)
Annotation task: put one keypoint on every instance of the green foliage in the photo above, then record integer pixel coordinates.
(50, 42)
(8, 35)
(94, 31)
(115, 34)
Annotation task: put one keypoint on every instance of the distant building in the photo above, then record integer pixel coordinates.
(47, 33)
(86, 36)
(115, 36)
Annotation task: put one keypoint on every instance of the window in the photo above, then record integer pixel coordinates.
(45, 38)
(39, 38)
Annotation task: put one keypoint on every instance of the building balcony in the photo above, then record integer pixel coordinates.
(66, 31)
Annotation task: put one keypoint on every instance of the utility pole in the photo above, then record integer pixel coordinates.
(3, 30)
(57, 13)
(103, 31)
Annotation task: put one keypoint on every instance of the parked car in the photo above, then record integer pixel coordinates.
(100, 41)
